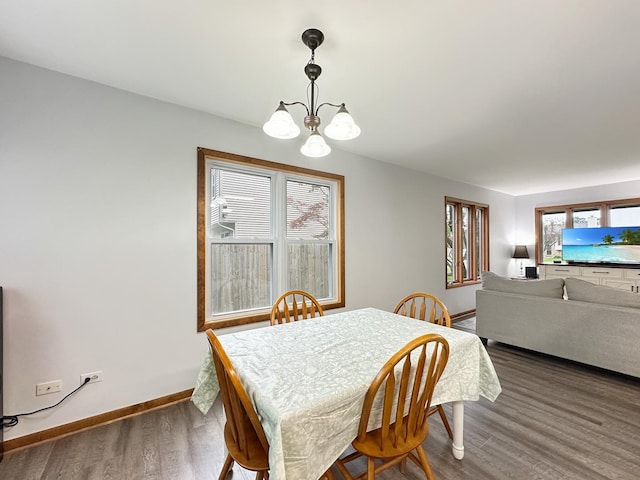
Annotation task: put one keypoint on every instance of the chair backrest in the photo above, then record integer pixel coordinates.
(424, 306)
(293, 306)
(421, 363)
(240, 413)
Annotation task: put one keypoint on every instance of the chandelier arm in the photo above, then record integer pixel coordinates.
(297, 103)
(337, 105)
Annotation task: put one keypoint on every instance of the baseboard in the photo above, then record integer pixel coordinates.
(91, 422)
(463, 315)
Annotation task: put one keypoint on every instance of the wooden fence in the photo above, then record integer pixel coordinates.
(241, 274)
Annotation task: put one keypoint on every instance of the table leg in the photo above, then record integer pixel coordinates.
(458, 428)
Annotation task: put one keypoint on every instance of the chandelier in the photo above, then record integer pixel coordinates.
(342, 126)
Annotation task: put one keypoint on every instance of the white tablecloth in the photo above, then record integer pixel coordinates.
(308, 379)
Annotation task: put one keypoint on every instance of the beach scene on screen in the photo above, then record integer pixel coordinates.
(604, 244)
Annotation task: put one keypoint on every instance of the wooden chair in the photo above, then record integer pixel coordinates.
(418, 305)
(243, 433)
(404, 424)
(426, 303)
(293, 306)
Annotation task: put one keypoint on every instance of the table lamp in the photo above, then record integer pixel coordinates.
(521, 252)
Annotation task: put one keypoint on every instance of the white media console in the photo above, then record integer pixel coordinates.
(617, 277)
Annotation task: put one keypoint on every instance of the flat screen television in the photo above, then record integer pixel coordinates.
(606, 245)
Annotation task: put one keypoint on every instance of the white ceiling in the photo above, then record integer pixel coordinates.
(517, 96)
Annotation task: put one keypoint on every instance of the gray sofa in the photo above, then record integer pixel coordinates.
(567, 318)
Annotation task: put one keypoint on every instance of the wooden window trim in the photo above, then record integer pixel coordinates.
(568, 209)
(201, 231)
(474, 278)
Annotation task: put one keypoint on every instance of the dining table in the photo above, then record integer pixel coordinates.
(307, 381)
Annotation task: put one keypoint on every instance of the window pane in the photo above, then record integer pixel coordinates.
(307, 211)
(309, 267)
(451, 259)
(240, 205)
(552, 225)
(465, 243)
(240, 277)
(627, 216)
(586, 218)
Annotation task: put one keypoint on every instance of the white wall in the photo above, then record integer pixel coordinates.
(98, 238)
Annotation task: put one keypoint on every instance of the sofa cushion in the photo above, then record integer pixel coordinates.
(553, 287)
(584, 291)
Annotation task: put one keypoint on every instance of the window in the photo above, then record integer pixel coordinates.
(551, 220)
(265, 228)
(624, 215)
(467, 241)
(552, 225)
(586, 218)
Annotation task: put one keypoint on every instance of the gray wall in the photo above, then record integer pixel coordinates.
(98, 238)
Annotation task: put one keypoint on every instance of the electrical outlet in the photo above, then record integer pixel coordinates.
(93, 377)
(48, 387)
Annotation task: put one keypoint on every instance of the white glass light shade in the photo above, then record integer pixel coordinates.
(281, 125)
(342, 126)
(315, 146)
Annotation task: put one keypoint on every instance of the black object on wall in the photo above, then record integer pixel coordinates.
(531, 272)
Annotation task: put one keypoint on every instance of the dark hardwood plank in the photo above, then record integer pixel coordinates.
(554, 420)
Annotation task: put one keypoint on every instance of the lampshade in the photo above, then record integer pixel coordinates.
(281, 124)
(342, 126)
(520, 252)
(315, 146)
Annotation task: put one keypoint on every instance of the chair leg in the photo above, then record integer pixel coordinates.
(343, 469)
(328, 475)
(425, 463)
(226, 468)
(443, 416)
(371, 469)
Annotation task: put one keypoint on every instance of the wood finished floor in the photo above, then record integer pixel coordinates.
(554, 420)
